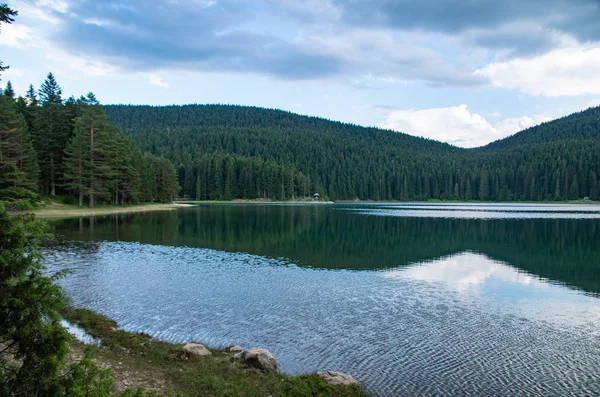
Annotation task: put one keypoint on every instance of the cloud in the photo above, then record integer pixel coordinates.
(154, 79)
(490, 23)
(455, 125)
(464, 271)
(184, 34)
(19, 36)
(307, 10)
(368, 43)
(562, 72)
(373, 57)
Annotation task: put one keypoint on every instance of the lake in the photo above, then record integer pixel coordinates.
(409, 298)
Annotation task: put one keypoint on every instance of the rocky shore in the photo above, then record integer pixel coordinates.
(193, 369)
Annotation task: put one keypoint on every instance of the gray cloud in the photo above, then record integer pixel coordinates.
(491, 24)
(273, 37)
(147, 35)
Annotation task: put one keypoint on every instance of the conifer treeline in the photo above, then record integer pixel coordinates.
(51, 146)
(555, 161)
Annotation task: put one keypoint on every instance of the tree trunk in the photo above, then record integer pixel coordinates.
(81, 199)
(92, 164)
(52, 184)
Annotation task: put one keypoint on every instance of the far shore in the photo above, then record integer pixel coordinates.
(55, 210)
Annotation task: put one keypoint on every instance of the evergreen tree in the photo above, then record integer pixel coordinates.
(18, 163)
(77, 162)
(31, 95)
(54, 134)
(594, 190)
(9, 91)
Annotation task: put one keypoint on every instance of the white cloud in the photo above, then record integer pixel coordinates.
(154, 79)
(371, 58)
(465, 270)
(594, 102)
(455, 125)
(309, 8)
(57, 5)
(18, 36)
(12, 73)
(41, 10)
(570, 71)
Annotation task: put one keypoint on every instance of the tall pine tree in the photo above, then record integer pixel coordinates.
(18, 163)
(54, 134)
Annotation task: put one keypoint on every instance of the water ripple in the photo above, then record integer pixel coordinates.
(411, 331)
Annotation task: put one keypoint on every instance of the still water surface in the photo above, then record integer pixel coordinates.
(411, 299)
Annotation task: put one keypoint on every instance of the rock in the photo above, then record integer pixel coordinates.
(258, 358)
(235, 348)
(196, 349)
(337, 378)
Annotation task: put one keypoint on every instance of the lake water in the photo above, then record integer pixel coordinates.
(410, 299)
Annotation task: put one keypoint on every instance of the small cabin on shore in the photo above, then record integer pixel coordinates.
(316, 196)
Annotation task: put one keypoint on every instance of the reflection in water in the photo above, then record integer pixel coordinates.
(463, 324)
(562, 250)
(466, 271)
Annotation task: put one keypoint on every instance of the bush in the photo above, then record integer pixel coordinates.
(70, 200)
(35, 342)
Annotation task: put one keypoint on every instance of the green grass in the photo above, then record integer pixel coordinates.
(216, 375)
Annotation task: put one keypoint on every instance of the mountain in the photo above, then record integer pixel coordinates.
(228, 152)
(584, 125)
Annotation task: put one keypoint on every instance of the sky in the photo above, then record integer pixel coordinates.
(462, 71)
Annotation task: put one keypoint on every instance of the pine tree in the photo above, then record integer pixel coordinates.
(77, 162)
(50, 92)
(18, 163)
(9, 91)
(31, 95)
(54, 134)
(594, 190)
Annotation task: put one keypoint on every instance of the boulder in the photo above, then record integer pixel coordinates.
(337, 378)
(196, 349)
(235, 348)
(258, 358)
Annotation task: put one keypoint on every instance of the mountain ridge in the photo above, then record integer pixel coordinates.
(231, 151)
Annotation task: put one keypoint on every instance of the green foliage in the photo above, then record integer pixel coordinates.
(228, 177)
(213, 145)
(18, 163)
(217, 375)
(57, 147)
(9, 91)
(87, 379)
(34, 344)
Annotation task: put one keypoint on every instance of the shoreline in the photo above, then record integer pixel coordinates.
(68, 211)
(138, 360)
(56, 210)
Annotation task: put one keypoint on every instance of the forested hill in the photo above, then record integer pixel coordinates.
(50, 146)
(228, 152)
(131, 117)
(581, 126)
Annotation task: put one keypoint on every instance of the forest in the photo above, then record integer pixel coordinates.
(234, 152)
(50, 146)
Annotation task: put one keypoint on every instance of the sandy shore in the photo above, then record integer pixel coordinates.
(65, 211)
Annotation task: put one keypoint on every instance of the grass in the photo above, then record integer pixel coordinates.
(55, 209)
(137, 360)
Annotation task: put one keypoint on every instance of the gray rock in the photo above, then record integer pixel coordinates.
(258, 358)
(235, 348)
(196, 349)
(337, 378)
